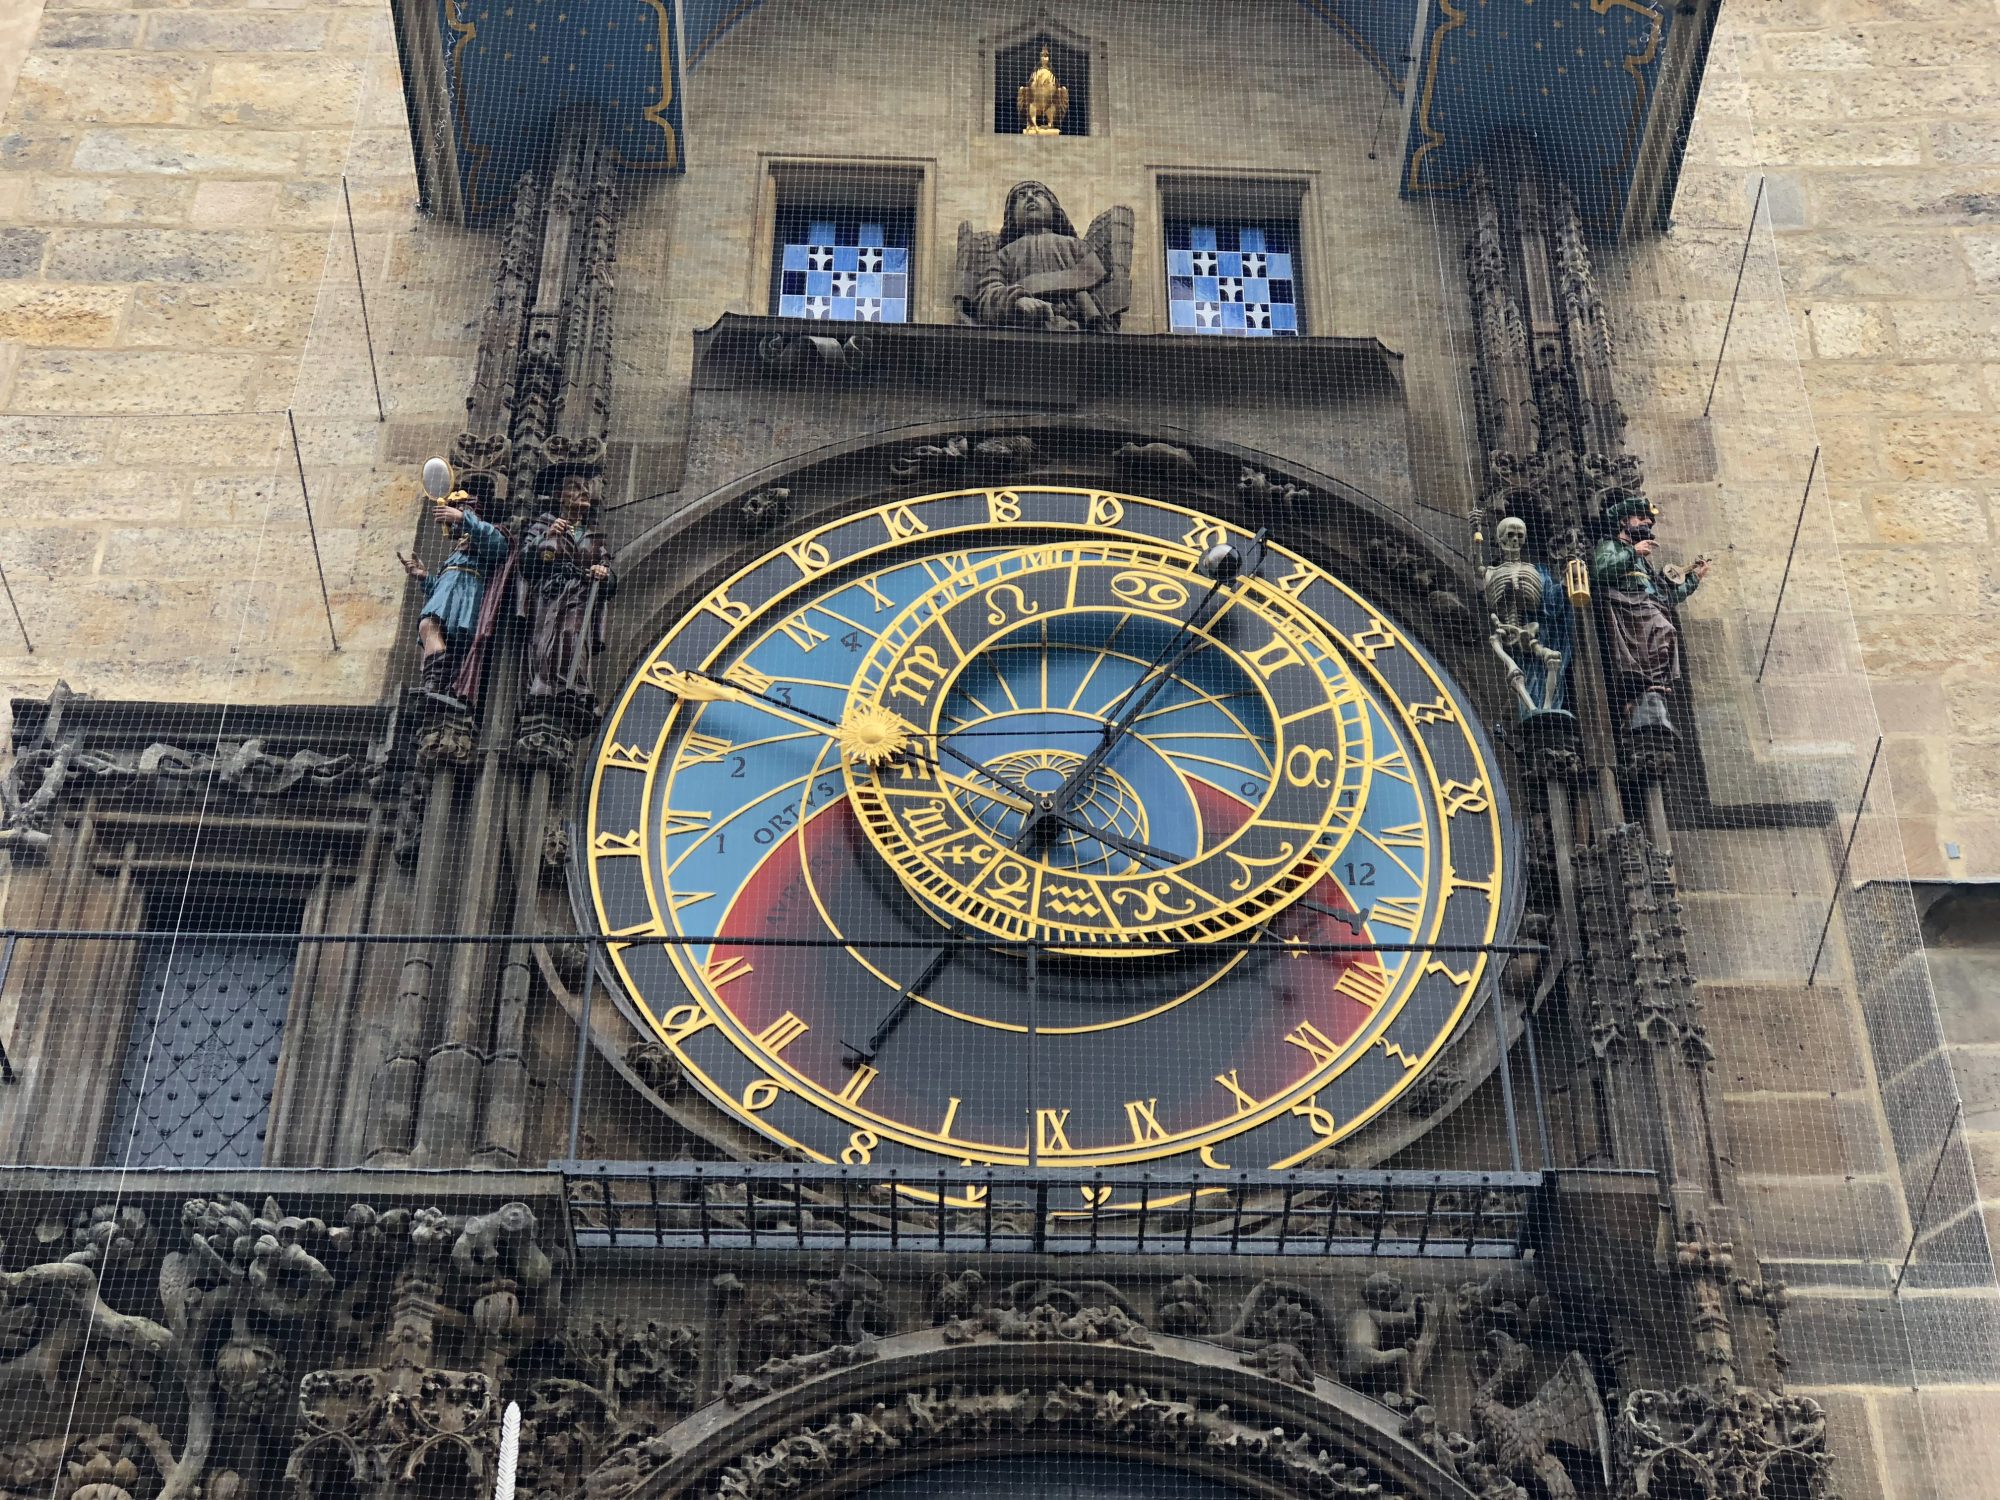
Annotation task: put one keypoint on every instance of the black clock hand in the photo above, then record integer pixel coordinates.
(735, 690)
(1183, 644)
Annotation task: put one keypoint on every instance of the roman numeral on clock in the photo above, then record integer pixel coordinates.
(1143, 1116)
(782, 1032)
(1314, 1042)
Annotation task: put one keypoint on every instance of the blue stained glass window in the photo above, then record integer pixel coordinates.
(1233, 279)
(842, 266)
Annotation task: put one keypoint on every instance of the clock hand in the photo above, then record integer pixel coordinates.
(708, 687)
(1183, 644)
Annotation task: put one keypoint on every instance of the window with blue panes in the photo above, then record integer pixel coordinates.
(843, 267)
(1237, 280)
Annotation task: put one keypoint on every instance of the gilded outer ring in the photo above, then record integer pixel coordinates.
(675, 1018)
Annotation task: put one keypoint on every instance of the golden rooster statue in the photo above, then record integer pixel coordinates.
(1042, 101)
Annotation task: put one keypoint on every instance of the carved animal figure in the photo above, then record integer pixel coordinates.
(1566, 1410)
(1042, 101)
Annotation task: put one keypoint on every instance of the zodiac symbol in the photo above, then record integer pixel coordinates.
(995, 615)
(1149, 590)
(1304, 766)
(920, 673)
(1150, 901)
(1011, 879)
(1071, 900)
(1286, 852)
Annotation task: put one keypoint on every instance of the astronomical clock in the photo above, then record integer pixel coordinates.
(1046, 826)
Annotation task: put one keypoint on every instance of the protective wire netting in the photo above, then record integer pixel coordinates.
(1004, 900)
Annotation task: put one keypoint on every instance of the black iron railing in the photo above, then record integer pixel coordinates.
(995, 1210)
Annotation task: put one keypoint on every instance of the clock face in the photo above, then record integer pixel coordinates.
(987, 826)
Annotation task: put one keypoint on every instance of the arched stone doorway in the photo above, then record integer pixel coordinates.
(888, 1417)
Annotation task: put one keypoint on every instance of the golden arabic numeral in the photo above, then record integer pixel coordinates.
(781, 1033)
(1002, 506)
(733, 611)
(702, 750)
(861, 1148)
(1398, 911)
(1464, 796)
(608, 844)
(759, 1094)
(903, 522)
(1438, 711)
(802, 631)
(1245, 1102)
(1314, 1042)
(1376, 639)
(1205, 534)
(1320, 1120)
(950, 1116)
(1460, 978)
(809, 556)
(1143, 1115)
(637, 758)
(1106, 510)
(1294, 582)
(857, 1084)
(682, 1022)
(1052, 1130)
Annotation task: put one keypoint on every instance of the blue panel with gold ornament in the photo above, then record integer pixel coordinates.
(1576, 80)
(988, 826)
(511, 64)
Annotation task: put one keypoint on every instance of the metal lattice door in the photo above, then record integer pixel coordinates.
(195, 1090)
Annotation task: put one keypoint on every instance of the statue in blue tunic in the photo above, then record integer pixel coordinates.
(452, 620)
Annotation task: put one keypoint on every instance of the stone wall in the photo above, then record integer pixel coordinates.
(1869, 325)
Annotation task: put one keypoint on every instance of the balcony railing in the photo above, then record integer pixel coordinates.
(994, 1210)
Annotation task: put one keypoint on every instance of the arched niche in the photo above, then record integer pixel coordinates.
(920, 1403)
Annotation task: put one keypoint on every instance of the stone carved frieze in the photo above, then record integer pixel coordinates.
(42, 781)
(186, 1353)
(1722, 1444)
(1152, 1419)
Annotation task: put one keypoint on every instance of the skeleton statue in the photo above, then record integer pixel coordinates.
(1530, 625)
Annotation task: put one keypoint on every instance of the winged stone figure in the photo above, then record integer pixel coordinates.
(1039, 273)
(1042, 101)
(1566, 1412)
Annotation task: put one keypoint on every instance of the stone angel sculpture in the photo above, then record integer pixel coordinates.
(1039, 273)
